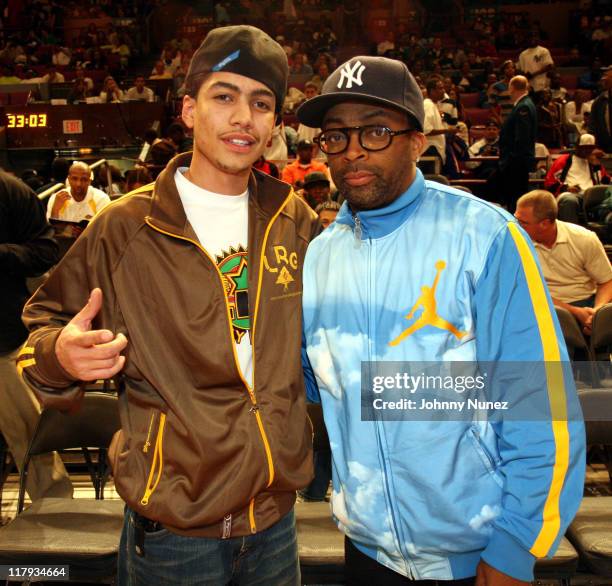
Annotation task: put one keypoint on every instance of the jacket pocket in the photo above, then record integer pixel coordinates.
(154, 442)
(485, 456)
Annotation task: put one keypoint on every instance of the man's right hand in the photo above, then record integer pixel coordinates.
(86, 354)
(60, 199)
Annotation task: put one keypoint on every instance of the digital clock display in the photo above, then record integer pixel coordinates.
(26, 120)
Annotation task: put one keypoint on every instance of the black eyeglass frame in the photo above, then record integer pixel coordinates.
(347, 129)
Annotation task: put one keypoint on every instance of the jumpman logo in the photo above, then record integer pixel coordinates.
(348, 74)
(429, 317)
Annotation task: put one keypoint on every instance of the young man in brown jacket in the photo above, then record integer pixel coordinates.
(188, 293)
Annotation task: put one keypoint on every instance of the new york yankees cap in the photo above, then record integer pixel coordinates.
(245, 50)
(377, 80)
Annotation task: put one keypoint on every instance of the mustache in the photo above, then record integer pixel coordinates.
(360, 168)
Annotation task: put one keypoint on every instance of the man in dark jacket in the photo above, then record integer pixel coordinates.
(600, 123)
(27, 249)
(516, 146)
(188, 293)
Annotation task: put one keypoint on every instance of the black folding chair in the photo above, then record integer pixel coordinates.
(80, 533)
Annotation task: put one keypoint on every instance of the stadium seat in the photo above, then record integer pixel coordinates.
(591, 530)
(470, 100)
(80, 533)
(438, 179)
(562, 566)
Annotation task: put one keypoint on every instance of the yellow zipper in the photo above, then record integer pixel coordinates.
(147, 443)
(255, 408)
(252, 516)
(158, 462)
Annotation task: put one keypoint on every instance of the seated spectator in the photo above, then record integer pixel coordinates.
(327, 212)
(498, 92)
(300, 66)
(591, 78)
(306, 132)
(573, 260)
(574, 112)
(136, 178)
(487, 146)
(295, 172)
(80, 201)
(159, 155)
(7, 75)
(175, 133)
(159, 71)
(535, 62)
(53, 75)
(549, 119)
(571, 175)
(61, 56)
(119, 47)
(316, 188)
(322, 75)
(111, 92)
(465, 80)
(267, 167)
(79, 92)
(559, 93)
(139, 92)
(79, 73)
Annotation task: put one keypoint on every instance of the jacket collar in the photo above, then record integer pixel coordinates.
(167, 210)
(380, 222)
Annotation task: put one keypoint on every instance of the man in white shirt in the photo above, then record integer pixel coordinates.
(574, 262)
(535, 62)
(572, 174)
(433, 127)
(140, 93)
(80, 201)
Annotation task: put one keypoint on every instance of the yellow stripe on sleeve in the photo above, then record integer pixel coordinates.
(25, 350)
(21, 364)
(551, 521)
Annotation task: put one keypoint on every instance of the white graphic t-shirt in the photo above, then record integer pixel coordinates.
(221, 225)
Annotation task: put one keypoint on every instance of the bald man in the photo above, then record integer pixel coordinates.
(516, 146)
(80, 201)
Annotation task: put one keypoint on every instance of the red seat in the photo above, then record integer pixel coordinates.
(477, 115)
(470, 100)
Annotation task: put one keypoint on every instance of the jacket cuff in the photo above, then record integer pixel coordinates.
(506, 555)
(47, 370)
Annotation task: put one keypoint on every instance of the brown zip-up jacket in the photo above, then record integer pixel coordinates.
(199, 450)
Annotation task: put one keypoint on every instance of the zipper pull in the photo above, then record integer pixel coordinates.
(357, 231)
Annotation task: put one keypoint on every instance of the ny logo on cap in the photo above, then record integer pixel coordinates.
(348, 74)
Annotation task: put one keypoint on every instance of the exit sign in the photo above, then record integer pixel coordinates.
(73, 126)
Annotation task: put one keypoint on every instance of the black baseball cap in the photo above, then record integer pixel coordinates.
(315, 177)
(372, 79)
(245, 50)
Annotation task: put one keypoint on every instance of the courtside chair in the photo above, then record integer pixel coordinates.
(591, 530)
(80, 533)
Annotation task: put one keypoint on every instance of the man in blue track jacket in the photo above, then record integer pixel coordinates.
(414, 271)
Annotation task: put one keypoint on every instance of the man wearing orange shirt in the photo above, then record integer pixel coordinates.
(294, 173)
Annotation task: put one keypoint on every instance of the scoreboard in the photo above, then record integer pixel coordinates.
(81, 125)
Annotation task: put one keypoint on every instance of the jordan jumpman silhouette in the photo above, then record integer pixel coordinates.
(429, 317)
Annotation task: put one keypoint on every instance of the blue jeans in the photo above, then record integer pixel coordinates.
(267, 558)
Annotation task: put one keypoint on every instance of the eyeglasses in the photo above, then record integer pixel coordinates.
(371, 138)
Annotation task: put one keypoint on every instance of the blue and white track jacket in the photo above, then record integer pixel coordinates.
(430, 499)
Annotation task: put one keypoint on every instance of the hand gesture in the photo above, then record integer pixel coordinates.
(86, 354)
